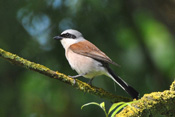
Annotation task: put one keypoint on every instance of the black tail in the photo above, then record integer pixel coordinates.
(131, 91)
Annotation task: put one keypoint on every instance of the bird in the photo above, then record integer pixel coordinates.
(89, 61)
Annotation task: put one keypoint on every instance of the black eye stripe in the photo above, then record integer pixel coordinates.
(68, 35)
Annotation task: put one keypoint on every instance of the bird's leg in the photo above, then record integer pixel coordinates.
(90, 81)
(76, 76)
(79, 75)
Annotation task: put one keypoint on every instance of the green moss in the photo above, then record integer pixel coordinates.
(172, 87)
(161, 103)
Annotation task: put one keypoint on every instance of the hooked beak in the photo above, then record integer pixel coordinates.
(57, 37)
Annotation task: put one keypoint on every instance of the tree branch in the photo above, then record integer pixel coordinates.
(156, 103)
(150, 104)
(14, 59)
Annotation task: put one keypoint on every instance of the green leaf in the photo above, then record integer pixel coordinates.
(90, 103)
(114, 106)
(101, 105)
(118, 109)
(120, 106)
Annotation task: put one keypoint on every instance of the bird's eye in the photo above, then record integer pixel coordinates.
(67, 34)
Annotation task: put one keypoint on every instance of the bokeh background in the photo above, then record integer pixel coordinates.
(138, 35)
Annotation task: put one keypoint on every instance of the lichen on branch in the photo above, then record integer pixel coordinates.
(14, 59)
(156, 103)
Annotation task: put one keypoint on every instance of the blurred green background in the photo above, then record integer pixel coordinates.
(138, 35)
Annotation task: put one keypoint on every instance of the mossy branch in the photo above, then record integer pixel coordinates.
(150, 104)
(14, 59)
(156, 103)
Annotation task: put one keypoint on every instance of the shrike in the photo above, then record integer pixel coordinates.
(89, 61)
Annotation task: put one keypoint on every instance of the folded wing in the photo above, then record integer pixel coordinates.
(90, 50)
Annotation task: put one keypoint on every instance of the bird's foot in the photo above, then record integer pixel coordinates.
(74, 77)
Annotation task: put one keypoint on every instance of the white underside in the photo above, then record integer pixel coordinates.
(85, 65)
(82, 64)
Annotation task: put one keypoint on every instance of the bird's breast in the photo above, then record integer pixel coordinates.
(84, 65)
